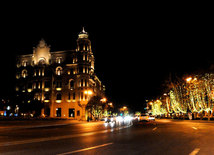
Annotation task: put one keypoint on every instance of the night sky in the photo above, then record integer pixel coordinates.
(135, 49)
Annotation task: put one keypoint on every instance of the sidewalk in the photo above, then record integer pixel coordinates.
(181, 120)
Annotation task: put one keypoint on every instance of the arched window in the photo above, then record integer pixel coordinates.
(36, 96)
(24, 73)
(24, 63)
(59, 60)
(18, 64)
(59, 70)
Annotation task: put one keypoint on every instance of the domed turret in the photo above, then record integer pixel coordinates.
(83, 34)
(83, 43)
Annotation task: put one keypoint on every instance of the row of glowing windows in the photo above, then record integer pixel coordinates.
(82, 97)
(58, 72)
(73, 70)
(59, 60)
(46, 85)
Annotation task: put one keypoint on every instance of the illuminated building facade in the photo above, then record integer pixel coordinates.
(63, 81)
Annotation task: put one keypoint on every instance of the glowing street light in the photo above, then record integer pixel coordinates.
(89, 92)
(188, 79)
(110, 103)
(103, 100)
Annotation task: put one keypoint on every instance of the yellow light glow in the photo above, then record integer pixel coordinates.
(110, 104)
(103, 100)
(46, 101)
(89, 92)
(58, 89)
(47, 89)
(86, 92)
(58, 101)
(29, 90)
(188, 79)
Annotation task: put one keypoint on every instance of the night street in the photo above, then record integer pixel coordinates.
(162, 137)
(107, 78)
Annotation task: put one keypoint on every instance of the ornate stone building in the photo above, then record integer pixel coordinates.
(63, 81)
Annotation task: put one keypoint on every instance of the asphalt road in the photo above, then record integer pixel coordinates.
(170, 137)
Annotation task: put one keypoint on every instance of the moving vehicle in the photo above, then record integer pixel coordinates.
(152, 118)
(109, 119)
(143, 117)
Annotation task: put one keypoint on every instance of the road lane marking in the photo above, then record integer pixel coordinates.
(195, 151)
(85, 149)
(154, 128)
(60, 137)
(194, 128)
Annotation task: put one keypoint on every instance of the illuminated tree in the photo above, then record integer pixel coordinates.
(194, 94)
(95, 107)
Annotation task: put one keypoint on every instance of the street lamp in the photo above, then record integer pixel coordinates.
(103, 100)
(111, 104)
(89, 92)
(188, 79)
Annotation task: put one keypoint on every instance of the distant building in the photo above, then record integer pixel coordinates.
(63, 81)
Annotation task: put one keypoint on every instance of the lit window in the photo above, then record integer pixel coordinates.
(59, 70)
(17, 76)
(34, 72)
(59, 60)
(18, 65)
(24, 63)
(36, 96)
(43, 72)
(24, 73)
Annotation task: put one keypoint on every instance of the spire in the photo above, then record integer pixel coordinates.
(83, 30)
(83, 33)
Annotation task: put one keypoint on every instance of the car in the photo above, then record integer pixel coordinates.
(143, 117)
(109, 119)
(152, 118)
